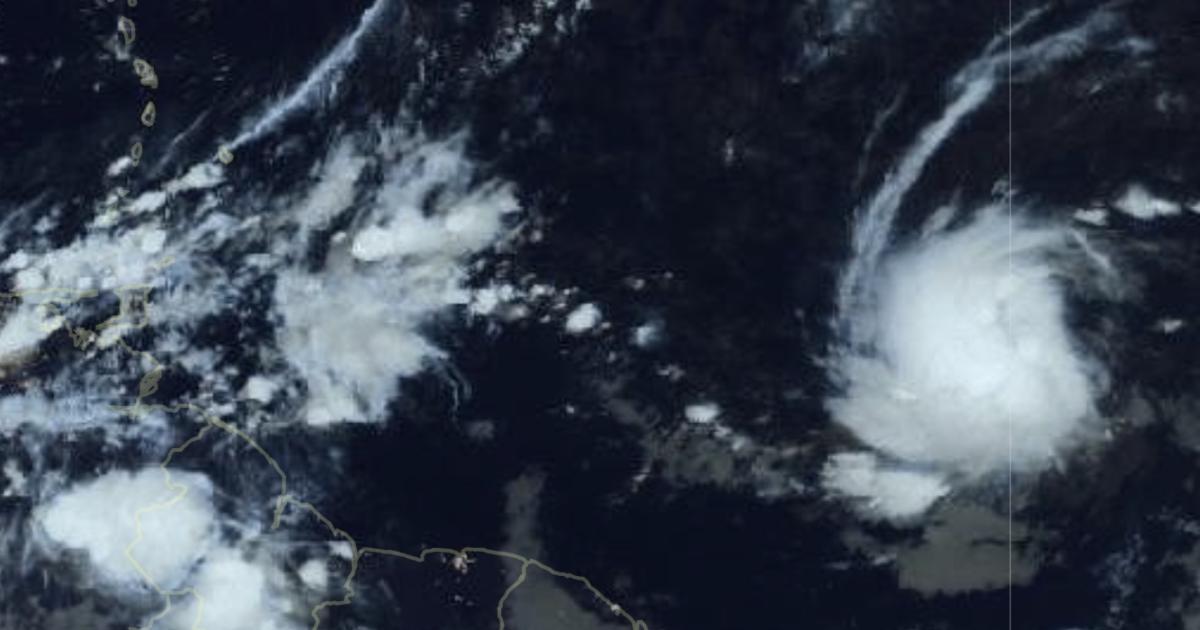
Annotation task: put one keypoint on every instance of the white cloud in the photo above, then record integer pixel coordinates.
(967, 343)
(1138, 203)
(647, 335)
(582, 319)
(237, 594)
(880, 492)
(429, 206)
(147, 202)
(352, 336)
(68, 410)
(1093, 216)
(109, 261)
(353, 329)
(702, 412)
(152, 241)
(118, 166)
(101, 516)
(465, 227)
(24, 329)
(872, 231)
(314, 573)
(323, 78)
(1169, 325)
(16, 480)
(199, 176)
(260, 389)
(334, 191)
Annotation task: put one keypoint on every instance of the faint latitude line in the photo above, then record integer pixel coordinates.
(134, 314)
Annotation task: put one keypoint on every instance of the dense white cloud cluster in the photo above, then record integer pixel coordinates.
(970, 343)
(234, 592)
(964, 363)
(144, 531)
(164, 528)
(353, 329)
(959, 341)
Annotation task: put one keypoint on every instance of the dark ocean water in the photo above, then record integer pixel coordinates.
(696, 162)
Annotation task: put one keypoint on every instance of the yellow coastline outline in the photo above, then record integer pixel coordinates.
(134, 314)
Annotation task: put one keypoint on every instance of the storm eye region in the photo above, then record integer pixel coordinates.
(958, 361)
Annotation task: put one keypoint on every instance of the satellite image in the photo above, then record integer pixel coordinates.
(599, 315)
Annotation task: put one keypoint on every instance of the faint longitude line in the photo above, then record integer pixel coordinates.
(1008, 195)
